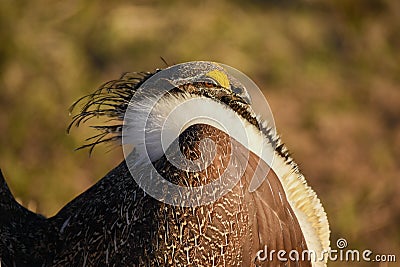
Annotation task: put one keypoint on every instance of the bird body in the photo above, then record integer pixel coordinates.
(207, 183)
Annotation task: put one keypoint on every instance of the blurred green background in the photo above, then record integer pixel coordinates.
(330, 71)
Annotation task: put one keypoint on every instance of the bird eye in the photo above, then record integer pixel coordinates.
(208, 84)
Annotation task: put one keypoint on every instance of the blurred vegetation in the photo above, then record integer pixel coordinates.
(330, 72)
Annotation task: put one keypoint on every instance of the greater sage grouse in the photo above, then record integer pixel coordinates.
(206, 181)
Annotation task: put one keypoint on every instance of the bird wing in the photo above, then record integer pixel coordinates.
(20, 231)
(273, 225)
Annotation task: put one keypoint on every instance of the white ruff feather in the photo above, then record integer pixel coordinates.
(173, 114)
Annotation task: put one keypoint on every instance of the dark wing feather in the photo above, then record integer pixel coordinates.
(273, 224)
(25, 237)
